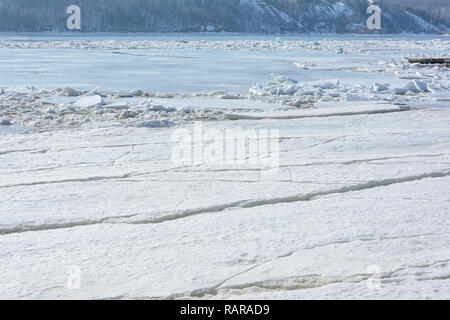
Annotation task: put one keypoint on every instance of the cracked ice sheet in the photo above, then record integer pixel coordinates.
(100, 171)
(284, 252)
(352, 191)
(352, 109)
(47, 177)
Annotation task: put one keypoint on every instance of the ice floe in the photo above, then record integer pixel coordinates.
(88, 102)
(291, 92)
(325, 45)
(355, 157)
(5, 122)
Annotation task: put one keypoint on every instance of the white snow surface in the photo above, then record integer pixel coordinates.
(358, 207)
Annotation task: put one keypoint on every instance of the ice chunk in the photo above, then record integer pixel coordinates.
(127, 114)
(434, 88)
(155, 124)
(330, 84)
(380, 87)
(188, 109)
(162, 108)
(411, 87)
(416, 86)
(406, 76)
(399, 91)
(124, 94)
(117, 105)
(88, 102)
(282, 79)
(308, 92)
(297, 102)
(420, 85)
(216, 93)
(305, 66)
(137, 93)
(69, 92)
(355, 97)
(440, 97)
(290, 90)
(229, 96)
(5, 122)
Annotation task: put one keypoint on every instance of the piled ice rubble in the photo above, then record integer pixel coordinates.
(305, 65)
(421, 82)
(337, 46)
(5, 122)
(432, 79)
(288, 91)
(68, 107)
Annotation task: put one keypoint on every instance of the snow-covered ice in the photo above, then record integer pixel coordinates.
(358, 206)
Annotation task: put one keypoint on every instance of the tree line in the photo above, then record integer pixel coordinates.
(251, 16)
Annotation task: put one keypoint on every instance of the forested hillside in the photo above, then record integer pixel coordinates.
(250, 16)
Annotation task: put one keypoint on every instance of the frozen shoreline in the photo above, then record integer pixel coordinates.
(47, 108)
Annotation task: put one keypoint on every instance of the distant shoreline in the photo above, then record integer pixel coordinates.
(215, 34)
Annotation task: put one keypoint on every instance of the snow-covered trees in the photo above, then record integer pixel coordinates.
(252, 16)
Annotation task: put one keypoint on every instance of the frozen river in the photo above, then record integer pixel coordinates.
(179, 70)
(350, 201)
